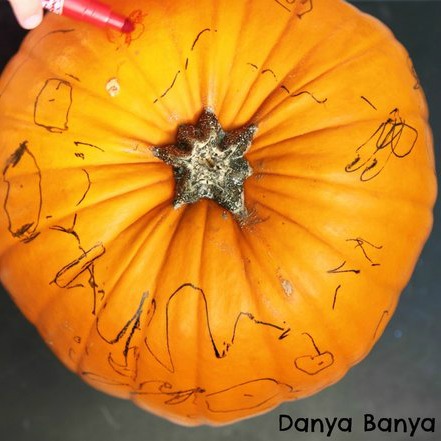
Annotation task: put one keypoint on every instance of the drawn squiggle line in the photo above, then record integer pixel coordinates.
(269, 71)
(198, 36)
(168, 88)
(67, 275)
(383, 316)
(218, 353)
(186, 62)
(89, 184)
(335, 296)
(285, 88)
(373, 155)
(86, 144)
(291, 3)
(339, 269)
(219, 402)
(23, 227)
(134, 324)
(365, 99)
(294, 95)
(164, 388)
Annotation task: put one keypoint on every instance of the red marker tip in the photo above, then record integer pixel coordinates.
(92, 11)
(128, 26)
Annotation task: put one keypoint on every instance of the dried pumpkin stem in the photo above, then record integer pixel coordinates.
(209, 163)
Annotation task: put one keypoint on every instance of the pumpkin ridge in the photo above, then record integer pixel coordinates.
(44, 226)
(385, 282)
(373, 192)
(287, 27)
(265, 131)
(254, 294)
(56, 296)
(218, 107)
(314, 235)
(95, 119)
(133, 381)
(198, 371)
(153, 88)
(161, 271)
(323, 75)
(156, 218)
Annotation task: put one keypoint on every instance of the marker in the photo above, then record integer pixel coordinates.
(90, 11)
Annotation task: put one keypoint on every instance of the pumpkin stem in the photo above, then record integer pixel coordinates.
(209, 163)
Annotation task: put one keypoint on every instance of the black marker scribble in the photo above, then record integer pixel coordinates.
(166, 360)
(251, 394)
(313, 364)
(67, 277)
(383, 316)
(52, 105)
(335, 296)
(127, 367)
(80, 155)
(294, 95)
(86, 144)
(73, 76)
(417, 84)
(393, 137)
(367, 101)
(304, 6)
(187, 61)
(285, 88)
(253, 66)
(89, 184)
(339, 269)
(165, 389)
(363, 244)
(22, 176)
(168, 88)
(198, 36)
(270, 71)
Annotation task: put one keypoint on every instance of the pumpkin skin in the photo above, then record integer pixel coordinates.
(190, 313)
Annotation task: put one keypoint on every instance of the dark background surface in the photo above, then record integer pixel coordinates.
(42, 401)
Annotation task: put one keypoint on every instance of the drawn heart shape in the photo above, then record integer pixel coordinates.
(313, 364)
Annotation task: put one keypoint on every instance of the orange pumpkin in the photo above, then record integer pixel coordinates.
(217, 212)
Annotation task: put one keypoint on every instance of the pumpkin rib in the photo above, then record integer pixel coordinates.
(198, 372)
(155, 88)
(346, 185)
(254, 292)
(156, 218)
(384, 282)
(95, 205)
(320, 130)
(89, 92)
(272, 49)
(162, 269)
(93, 118)
(310, 300)
(339, 64)
(78, 369)
(220, 102)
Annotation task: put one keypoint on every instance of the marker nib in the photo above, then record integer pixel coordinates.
(128, 26)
